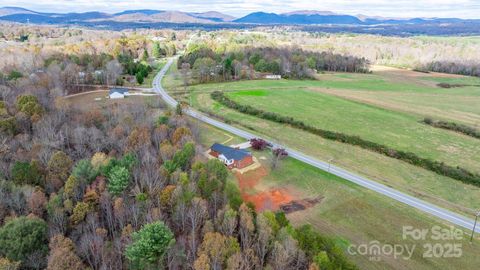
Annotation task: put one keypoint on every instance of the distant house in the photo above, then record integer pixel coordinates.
(116, 93)
(273, 77)
(231, 157)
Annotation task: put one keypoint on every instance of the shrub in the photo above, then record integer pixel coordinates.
(162, 120)
(259, 144)
(14, 75)
(460, 128)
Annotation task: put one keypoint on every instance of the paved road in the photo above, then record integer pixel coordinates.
(429, 208)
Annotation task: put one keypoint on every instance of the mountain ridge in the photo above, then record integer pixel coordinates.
(299, 17)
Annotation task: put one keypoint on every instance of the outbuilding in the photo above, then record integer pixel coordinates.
(273, 77)
(116, 93)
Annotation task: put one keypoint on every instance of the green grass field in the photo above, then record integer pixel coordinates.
(395, 129)
(383, 123)
(355, 215)
(352, 215)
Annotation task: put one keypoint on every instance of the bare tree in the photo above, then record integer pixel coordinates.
(113, 71)
(196, 213)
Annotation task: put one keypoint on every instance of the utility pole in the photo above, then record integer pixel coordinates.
(474, 225)
(329, 164)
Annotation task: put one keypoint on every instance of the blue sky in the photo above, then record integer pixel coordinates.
(389, 8)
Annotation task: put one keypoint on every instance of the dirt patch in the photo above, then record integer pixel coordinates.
(271, 199)
(299, 205)
(268, 200)
(250, 179)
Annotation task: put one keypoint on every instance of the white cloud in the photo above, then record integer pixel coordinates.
(398, 8)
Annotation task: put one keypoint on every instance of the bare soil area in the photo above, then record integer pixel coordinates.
(270, 199)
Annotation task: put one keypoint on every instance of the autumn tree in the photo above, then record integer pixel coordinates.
(166, 196)
(247, 226)
(29, 105)
(215, 250)
(37, 202)
(149, 246)
(138, 138)
(264, 238)
(80, 212)
(6, 264)
(62, 254)
(227, 220)
(180, 133)
(58, 169)
(72, 190)
(196, 214)
(99, 159)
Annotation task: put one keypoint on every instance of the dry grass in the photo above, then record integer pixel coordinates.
(86, 101)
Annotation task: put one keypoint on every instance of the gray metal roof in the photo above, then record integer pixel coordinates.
(118, 90)
(229, 152)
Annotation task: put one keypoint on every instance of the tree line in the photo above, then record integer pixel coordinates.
(467, 68)
(251, 62)
(441, 168)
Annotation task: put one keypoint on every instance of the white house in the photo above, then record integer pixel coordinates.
(116, 93)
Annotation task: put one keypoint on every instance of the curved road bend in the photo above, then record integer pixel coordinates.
(424, 206)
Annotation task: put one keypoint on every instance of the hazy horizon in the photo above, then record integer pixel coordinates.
(466, 9)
